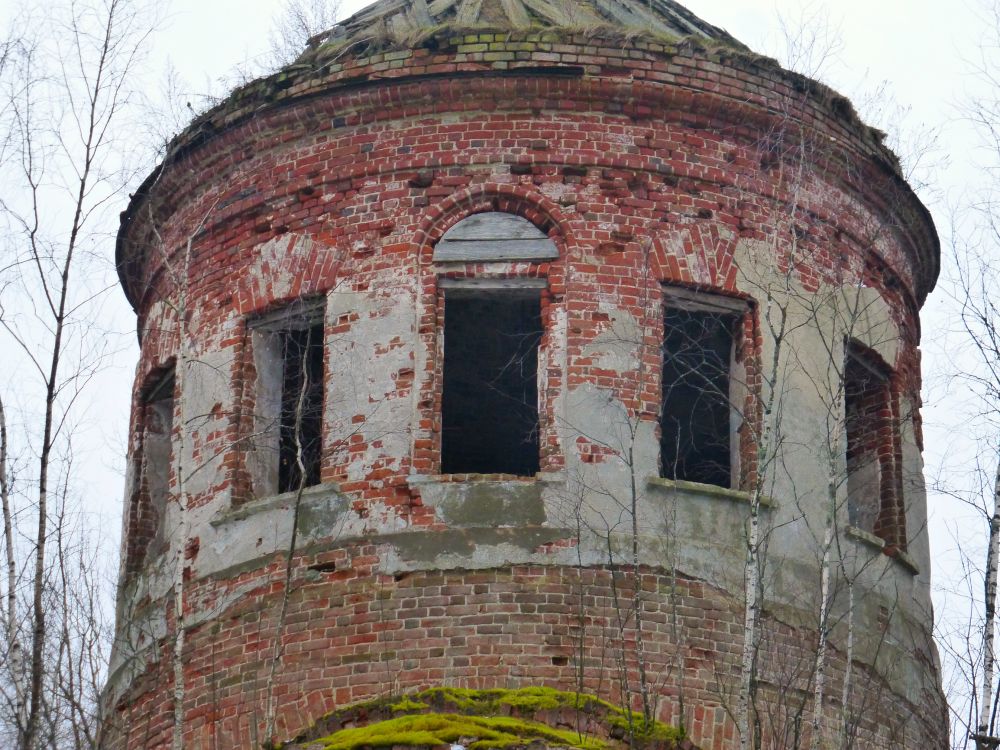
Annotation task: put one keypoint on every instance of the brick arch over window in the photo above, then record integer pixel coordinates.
(287, 268)
(699, 254)
(542, 212)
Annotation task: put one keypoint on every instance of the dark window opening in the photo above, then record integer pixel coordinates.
(695, 423)
(288, 350)
(489, 404)
(870, 435)
(300, 434)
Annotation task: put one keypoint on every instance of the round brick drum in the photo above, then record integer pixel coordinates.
(484, 345)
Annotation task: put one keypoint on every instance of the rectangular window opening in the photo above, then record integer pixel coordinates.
(157, 439)
(489, 403)
(698, 421)
(869, 438)
(288, 357)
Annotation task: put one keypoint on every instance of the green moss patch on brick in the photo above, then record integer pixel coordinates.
(487, 720)
(480, 732)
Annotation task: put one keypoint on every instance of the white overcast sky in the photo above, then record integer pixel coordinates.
(917, 45)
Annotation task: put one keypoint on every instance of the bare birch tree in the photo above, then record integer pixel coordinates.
(969, 640)
(838, 310)
(66, 79)
(974, 294)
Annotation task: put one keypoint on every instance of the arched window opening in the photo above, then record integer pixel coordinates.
(492, 332)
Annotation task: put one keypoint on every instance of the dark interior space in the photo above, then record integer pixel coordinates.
(695, 421)
(490, 399)
(301, 407)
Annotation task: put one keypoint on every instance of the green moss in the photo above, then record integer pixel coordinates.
(523, 700)
(442, 729)
(539, 699)
(407, 705)
(486, 720)
(644, 730)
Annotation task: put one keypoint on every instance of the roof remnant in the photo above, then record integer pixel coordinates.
(402, 19)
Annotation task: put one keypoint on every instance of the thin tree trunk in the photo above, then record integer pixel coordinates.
(270, 711)
(10, 620)
(38, 582)
(985, 728)
(37, 669)
(822, 644)
(625, 687)
(845, 699)
(637, 604)
(92, 139)
(751, 570)
(751, 582)
(67, 677)
(180, 375)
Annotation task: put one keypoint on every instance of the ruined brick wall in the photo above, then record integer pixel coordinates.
(646, 165)
(354, 634)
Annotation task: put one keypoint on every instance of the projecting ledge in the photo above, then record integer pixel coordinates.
(679, 487)
(542, 477)
(276, 502)
(868, 539)
(476, 500)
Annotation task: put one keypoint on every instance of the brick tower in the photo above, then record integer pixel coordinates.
(518, 344)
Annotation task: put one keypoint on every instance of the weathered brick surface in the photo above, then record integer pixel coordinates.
(645, 164)
(352, 634)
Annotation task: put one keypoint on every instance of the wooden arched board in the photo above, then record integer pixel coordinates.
(494, 236)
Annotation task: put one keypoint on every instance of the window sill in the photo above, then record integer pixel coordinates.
(706, 490)
(485, 500)
(870, 540)
(272, 502)
(423, 480)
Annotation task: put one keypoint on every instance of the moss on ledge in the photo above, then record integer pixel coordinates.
(474, 732)
(488, 720)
